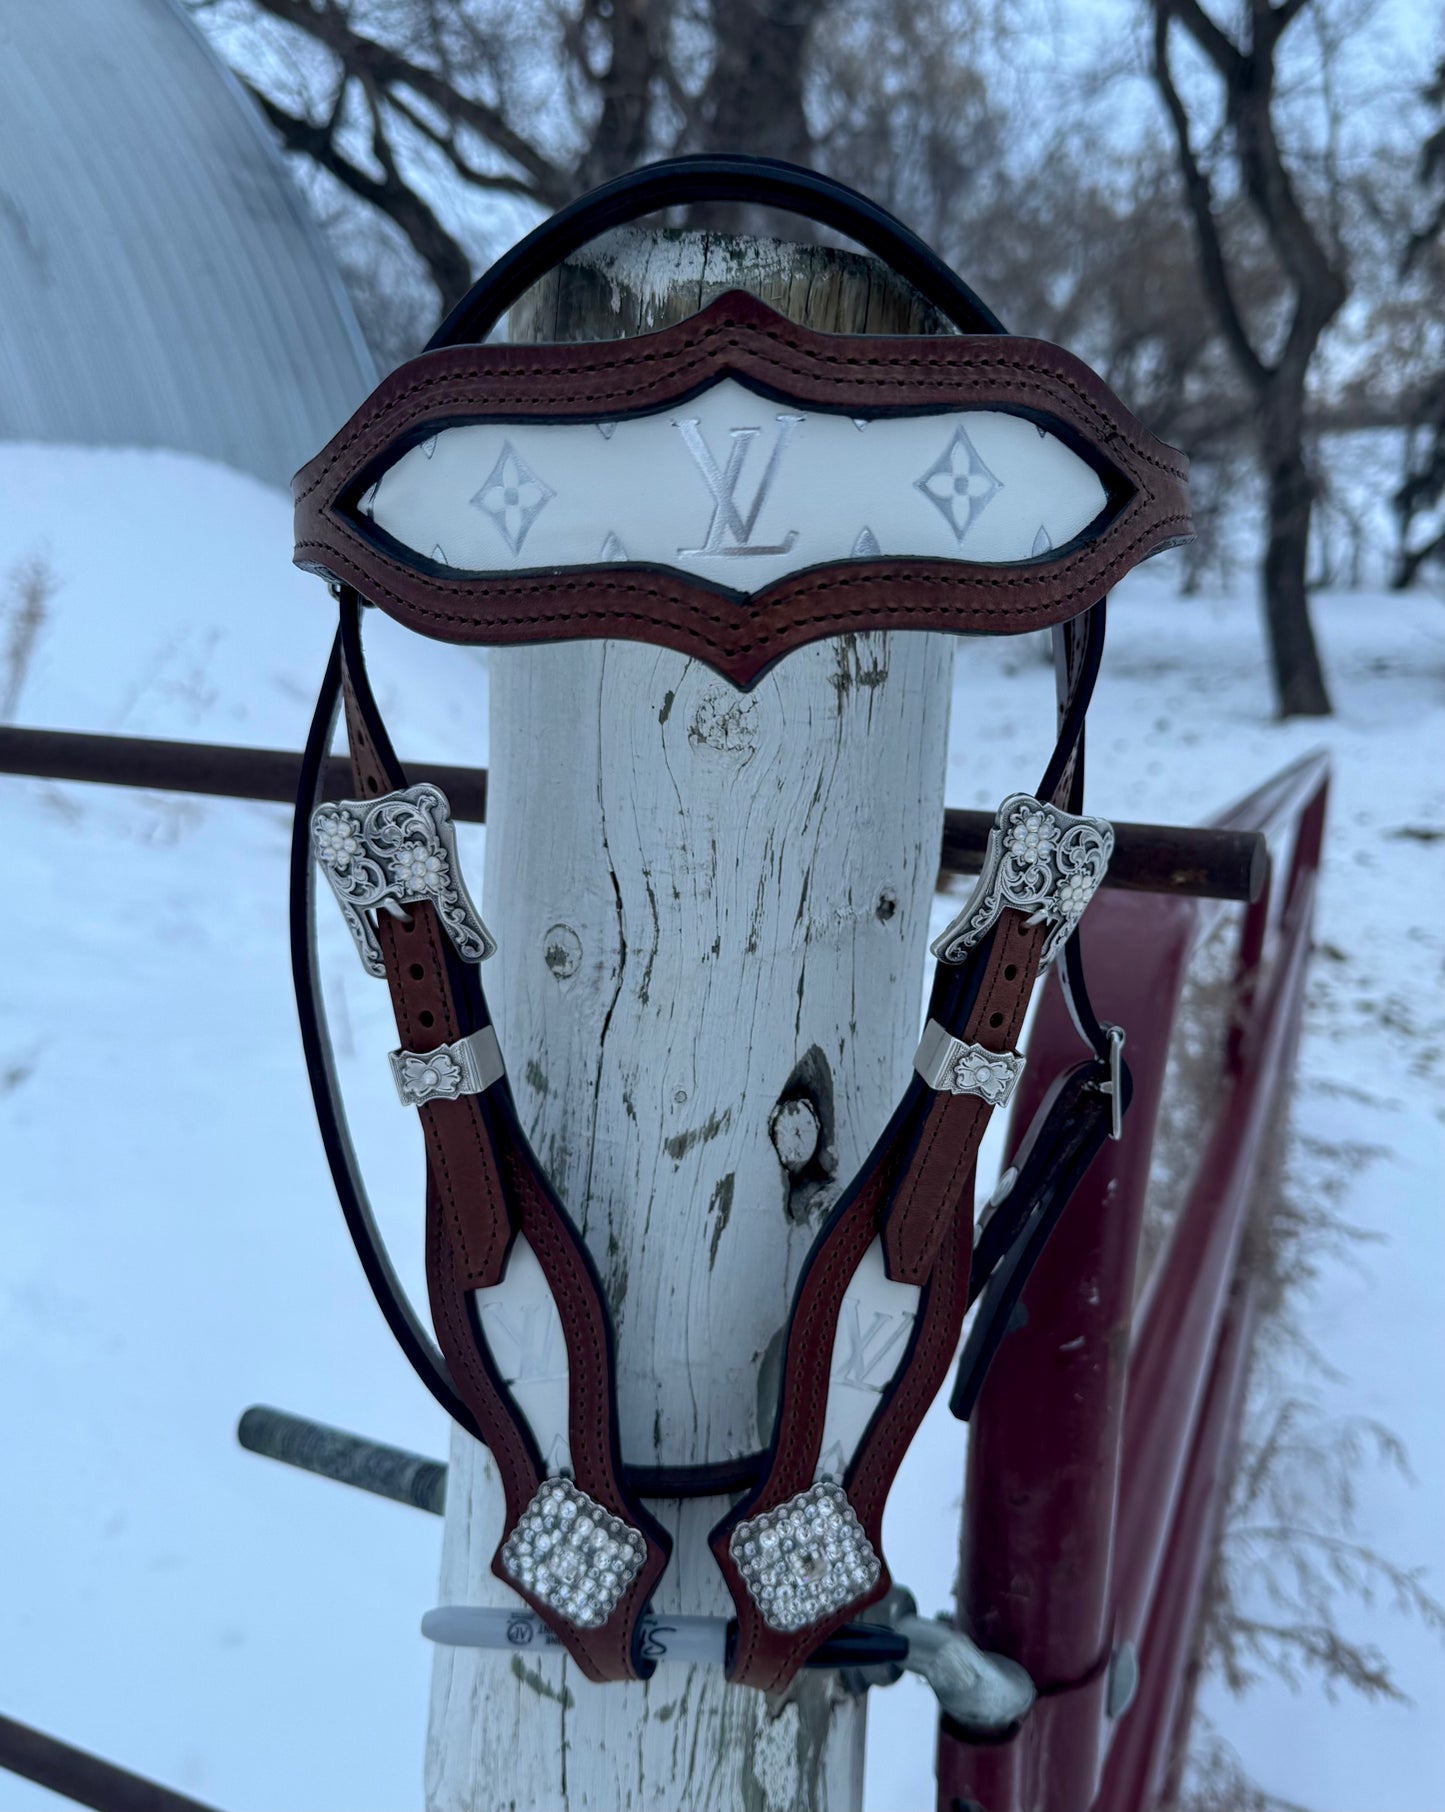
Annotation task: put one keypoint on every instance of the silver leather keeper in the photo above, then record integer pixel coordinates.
(946, 1062)
(467, 1067)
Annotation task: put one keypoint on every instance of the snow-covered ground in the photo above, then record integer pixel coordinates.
(171, 1251)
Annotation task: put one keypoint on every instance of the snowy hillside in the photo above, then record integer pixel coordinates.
(170, 1250)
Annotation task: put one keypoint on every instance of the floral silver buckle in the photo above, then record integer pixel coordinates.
(466, 1067)
(950, 1063)
(399, 850)
(1039, 860)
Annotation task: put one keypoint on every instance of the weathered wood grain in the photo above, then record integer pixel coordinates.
(705, 902)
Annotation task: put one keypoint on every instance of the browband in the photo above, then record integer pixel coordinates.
(801, 1549)
(562, 560)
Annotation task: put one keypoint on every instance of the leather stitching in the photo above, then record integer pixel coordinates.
(555, 585)
(850, 371)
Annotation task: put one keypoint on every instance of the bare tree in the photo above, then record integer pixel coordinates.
(405, 115)
(1317, 285)
(1423, 484)
(388, 96)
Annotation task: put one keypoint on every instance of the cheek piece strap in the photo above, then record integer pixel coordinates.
(800, 1548)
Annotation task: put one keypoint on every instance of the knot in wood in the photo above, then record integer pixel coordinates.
(794, 1130)
(562, 951)
(726, 723)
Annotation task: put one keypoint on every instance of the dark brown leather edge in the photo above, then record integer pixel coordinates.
(605, 1653)
(600, 380)
(798, 1434)
(741, 641)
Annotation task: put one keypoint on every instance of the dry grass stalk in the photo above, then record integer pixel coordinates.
(1291, 1562)
(30, 585)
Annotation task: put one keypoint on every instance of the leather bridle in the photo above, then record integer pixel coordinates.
(914, 1193)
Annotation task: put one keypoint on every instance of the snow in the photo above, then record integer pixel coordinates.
(172, 1250)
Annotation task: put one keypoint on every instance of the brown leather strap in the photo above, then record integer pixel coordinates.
(922, 1202)
(766, 1658)
(739, 335)
(459, 1154)
(606, 1653)
(942, 1165)
(940, 1171)
(483, 1185)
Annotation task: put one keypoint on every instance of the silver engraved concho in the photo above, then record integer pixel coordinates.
(572, 1555)
(946, 1062)
(806, 1559)
(1041, 860)
(468, 1067)
(391, 852)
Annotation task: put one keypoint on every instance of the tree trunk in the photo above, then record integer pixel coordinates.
(754, 95)
(1298, 675)
(706, 902)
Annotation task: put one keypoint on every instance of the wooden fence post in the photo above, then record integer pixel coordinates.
(712, 912)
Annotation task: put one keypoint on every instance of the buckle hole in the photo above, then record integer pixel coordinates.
(416, 972)
(427, 1019)
(1010, 971)
(995, 1019)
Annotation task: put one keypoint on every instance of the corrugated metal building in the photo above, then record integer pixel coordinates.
(161, 283)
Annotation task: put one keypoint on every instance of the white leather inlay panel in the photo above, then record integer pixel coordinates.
(873, 1334)
(737, 488)
(524, 1337)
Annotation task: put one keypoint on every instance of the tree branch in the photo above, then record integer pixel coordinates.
(388, 69)
(620, 138)
(1200, 200)
(1284, 15)
(1319, 287)
(445, 142)
(1221, 50)
(443, 256)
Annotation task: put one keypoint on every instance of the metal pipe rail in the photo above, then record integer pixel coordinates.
(1213, 863)
(1101, 1447)
(986, 1693)
(78, 1775)
(406, 1478)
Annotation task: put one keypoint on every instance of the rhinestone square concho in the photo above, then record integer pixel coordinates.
(806, 1559)
(572, 1555)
